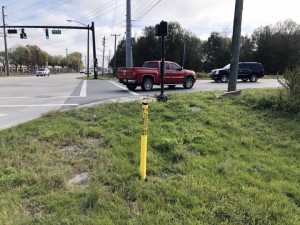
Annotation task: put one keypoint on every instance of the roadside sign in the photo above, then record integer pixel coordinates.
(56, 31)
(12, 31)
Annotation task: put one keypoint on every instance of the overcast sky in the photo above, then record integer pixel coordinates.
(198, 16)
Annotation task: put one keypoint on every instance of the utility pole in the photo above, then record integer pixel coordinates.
(115, 55)
(67, 60)
(235, 50)
(94, 52)
(88, 53)
(103, 44)
(128, 35)
(5, 43)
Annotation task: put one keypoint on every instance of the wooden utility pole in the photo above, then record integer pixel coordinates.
(235, 50)
(103, 44)
(115, 54)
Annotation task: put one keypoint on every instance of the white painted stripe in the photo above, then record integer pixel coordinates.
(42, 105)
(83, 89)
(131, 92)
(14, 97)
(3, 115)
(34, 97)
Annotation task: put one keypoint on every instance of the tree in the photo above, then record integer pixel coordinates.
(278, 47)
(216, 51)
(74, 61)
(194, 54)
(3, 59)
(148, 47)
(120, 55)
(246, 49)
(142, 50)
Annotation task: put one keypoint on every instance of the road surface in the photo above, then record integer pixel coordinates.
(26, 98)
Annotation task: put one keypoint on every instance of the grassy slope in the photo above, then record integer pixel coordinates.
(209, 161)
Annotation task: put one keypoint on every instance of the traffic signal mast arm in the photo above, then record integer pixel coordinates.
(51, 27)
(92, 28)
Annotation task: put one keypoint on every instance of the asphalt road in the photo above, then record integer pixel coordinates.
(26, 98)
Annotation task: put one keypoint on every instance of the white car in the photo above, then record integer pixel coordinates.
(43, 72)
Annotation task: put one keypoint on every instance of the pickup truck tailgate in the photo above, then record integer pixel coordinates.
(126, 75)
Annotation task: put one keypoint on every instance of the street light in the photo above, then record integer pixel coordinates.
(88, 46)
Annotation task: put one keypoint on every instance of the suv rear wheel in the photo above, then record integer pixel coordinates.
(147, 84)
(253, 78)
(224, 78)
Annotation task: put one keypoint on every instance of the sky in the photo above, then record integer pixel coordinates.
(200, 17)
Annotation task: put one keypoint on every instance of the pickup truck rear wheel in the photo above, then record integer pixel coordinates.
(188, 83)
(147, 84)
(131, 87)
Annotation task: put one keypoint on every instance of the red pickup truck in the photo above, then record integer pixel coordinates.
(149, 75)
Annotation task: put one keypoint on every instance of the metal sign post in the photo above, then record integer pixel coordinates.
(162, 31)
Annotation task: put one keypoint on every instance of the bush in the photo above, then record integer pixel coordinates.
(202, 75)
(291, 82)
(291, 85)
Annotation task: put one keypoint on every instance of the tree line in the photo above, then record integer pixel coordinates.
(32, 57)
(276, 47)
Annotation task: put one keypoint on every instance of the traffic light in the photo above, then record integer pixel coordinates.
(23, 35)
(47, 33)
(161, 29)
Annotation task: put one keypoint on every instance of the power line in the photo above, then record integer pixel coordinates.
(12, 3)
(44, 12)
(115, 14)
(96, 17)
(106, 5)
(27, 7)
(148, 10)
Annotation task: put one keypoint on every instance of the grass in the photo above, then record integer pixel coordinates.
(210, 161)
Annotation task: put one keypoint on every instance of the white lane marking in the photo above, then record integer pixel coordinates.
(131, 92)
(3, 115)
(34, 97)
(83, 89)
(41, 105)
(14, 97)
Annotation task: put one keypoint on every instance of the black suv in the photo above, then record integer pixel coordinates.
(247, 71)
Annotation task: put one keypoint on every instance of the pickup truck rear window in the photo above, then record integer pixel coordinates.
(150, 64)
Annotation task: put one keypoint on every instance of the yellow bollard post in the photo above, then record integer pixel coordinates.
(144, 140)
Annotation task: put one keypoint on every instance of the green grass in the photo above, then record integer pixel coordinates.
(210, 161)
